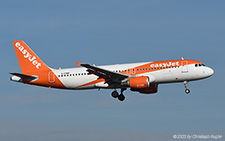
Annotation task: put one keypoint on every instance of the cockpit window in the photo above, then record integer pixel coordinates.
(199, 65)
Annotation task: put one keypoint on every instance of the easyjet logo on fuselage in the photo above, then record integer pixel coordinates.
(168, 64)
(28, 56)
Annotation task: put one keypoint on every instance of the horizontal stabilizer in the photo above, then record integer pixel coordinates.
(24, 76)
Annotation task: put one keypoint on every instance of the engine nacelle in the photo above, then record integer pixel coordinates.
(153, 88)
(137, 82)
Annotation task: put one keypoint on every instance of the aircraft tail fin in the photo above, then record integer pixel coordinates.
(28, 60)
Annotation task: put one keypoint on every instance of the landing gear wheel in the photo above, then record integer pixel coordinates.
(187, 91)
(121, 97)
(115, 94)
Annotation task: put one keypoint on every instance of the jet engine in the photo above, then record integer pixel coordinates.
(138, 82)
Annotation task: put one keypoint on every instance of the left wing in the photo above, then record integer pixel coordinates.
(108, 75)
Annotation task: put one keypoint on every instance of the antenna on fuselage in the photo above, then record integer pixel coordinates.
(182, 58)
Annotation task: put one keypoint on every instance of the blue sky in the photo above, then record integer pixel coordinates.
(110, 32)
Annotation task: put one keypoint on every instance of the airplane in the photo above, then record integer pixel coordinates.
(139, 77)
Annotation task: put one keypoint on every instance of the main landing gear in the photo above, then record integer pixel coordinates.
(121, 97)
(187, 91)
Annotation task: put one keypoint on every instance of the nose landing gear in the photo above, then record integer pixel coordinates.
(121, 97)
(187, 91)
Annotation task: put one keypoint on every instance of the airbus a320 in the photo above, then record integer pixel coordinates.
(140, 77)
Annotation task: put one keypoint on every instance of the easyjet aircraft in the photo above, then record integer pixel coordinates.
(141, 77)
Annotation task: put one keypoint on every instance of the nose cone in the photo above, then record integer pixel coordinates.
(209, 72)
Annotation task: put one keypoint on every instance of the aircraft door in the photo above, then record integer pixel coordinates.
(132, 71)
(51, 77)
(184, 67)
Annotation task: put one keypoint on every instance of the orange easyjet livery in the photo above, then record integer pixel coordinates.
(141, 77)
